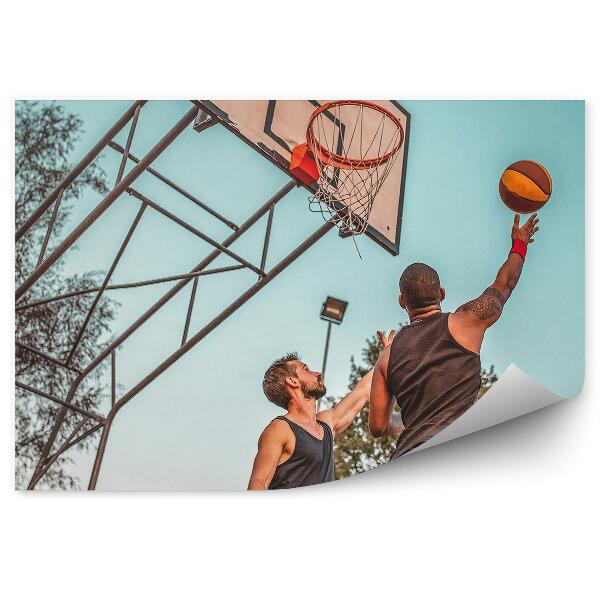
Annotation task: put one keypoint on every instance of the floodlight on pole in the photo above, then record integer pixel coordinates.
(332, 311)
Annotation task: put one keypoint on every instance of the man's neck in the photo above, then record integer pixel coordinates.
(416, 314)
(302, 409)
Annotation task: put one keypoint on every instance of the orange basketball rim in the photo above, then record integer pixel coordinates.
(332, 158)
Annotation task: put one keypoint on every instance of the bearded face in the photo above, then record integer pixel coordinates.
(313, 389)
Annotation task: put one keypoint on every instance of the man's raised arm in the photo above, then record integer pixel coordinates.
(383, 420)
(342, 414)
(469, 321)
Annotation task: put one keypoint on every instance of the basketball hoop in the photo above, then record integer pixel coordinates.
(353, 160)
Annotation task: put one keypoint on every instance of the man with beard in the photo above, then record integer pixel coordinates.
(296, 449)
(432, 371)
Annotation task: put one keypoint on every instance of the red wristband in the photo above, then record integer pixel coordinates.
(520, 247)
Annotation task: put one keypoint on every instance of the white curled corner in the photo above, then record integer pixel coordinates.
(513, 395)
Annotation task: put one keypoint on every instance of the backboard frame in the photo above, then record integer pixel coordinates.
(214, 111)
(73, 433)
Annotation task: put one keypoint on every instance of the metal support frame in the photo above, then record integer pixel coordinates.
(123, 183)
(111, 270)
(123, 164)
(85, 162)
(193, 230)
(177, 188)
(49, 358)
(106, 202)
(188, 318)
(74, 442)
(50, 226)
(124, 286)
(263, 259)
(63, 403)
(113, 377)
(68, 443)
(326, 352)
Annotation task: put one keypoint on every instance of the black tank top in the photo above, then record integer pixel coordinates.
(310, 463)
(433, 378)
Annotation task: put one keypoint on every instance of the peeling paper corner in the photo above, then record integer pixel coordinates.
(513, 395)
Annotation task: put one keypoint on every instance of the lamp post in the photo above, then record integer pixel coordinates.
(332, 311)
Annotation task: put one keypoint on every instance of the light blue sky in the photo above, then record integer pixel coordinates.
(196, 426)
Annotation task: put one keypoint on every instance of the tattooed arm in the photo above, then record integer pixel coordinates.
(470, 321)
(487, 308)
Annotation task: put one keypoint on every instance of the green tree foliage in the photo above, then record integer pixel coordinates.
(45, 136)
(356, 450)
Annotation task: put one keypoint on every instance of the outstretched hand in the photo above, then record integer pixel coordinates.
(525, 233)
(386, 340)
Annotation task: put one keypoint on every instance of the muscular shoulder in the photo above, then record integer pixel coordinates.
(468, 323)
(276, 432)
(488, 306)
(326, 416)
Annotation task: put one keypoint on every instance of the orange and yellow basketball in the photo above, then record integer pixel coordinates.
(525, 186)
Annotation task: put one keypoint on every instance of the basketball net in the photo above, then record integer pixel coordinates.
(353, 160)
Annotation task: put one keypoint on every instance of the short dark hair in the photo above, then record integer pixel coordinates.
(420, 285)
(274, 380)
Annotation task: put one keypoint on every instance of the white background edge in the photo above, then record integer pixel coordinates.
(506, 513)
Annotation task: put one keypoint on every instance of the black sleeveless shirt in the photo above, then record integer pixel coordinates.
(310, 463)
(433, 378)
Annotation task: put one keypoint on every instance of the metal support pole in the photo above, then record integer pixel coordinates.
(177, 288)
(134, 121)
(177, 188)
(107, 201)
(113, 377)
(326, 350)
(124, 286)
(193, 230)
(189, 311)
(76, 441)
(50, 460)
(290, 258)
(153, 309)
(85, 161)
(111, 270)
(46, 356)
(50, 226)
(263, 260)
(47, 447)
(329, 324)
(66, 444)
(66, 405)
